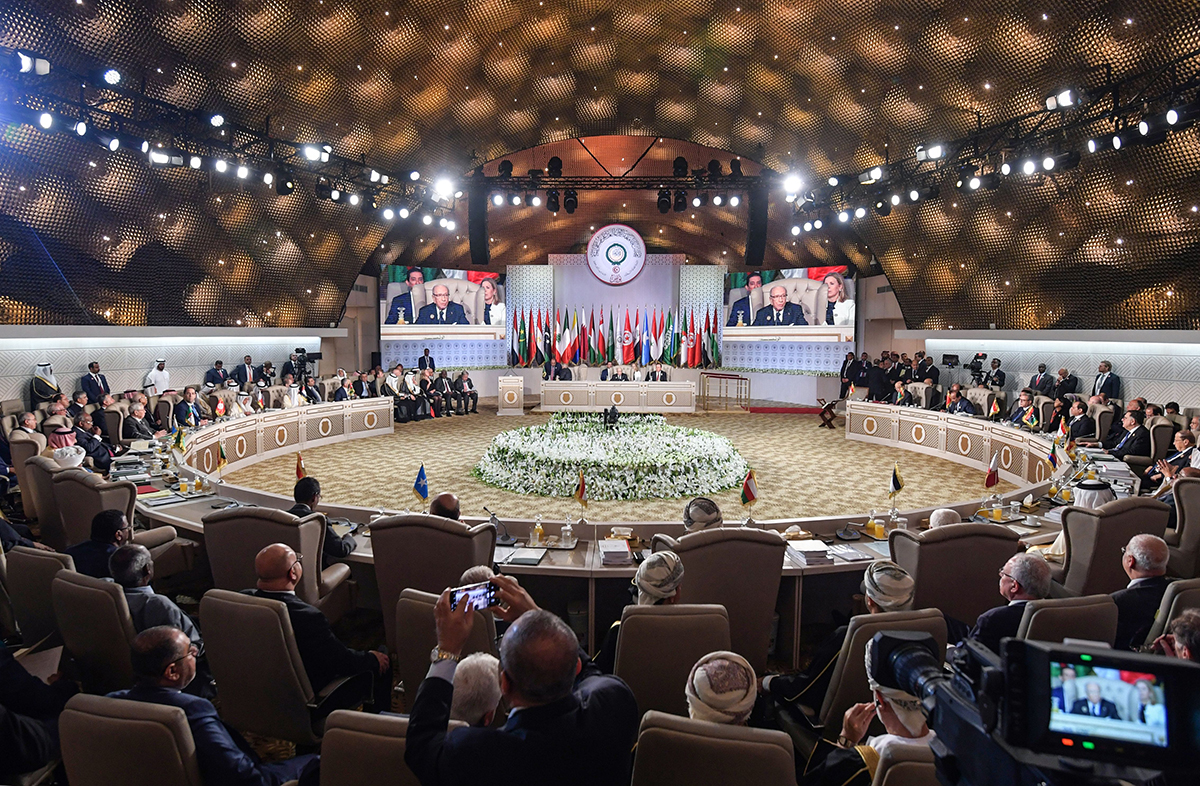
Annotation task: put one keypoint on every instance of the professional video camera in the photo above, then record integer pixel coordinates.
(1001, 721)
(976, 367)
(306, 363)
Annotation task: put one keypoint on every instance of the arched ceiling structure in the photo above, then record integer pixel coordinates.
(817, 86)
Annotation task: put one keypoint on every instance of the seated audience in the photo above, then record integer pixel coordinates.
(886, 587)
(1145, 562)
(657, 584)
(29, 710)
(1185, 444)
(436, 403)
(943, 516)
(1023, 578)
(325, 658)
(345, 391)
(607, 371)
(566, 717)
(137, 427)
(132, 567)
(27, 423)
(959, 404)
(1136, 441)
(76, 407)
(1080, 426)
(900, 397)
(412, 389)
(657, 375)
(307, 494)
(721, 689)
(312, 393)
(187, 412)
(110, 529)
(87, 436)
(1182, 639)
(445, 505)
(779, 311)
(1022, 409)
(164, 663)
(476, 690)
(364, 388)
(451, 401)
(467, 393)
(701, 513)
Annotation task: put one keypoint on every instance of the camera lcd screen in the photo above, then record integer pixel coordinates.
(1095, 701)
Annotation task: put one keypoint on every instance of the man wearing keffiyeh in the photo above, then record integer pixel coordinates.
(657, 583)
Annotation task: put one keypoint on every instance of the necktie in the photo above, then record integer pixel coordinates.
(778, 317)
(487, 315)
(441, 317)
(1123, 441)
(1096, 710)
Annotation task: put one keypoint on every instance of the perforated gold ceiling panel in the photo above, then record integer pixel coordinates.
(824, 86)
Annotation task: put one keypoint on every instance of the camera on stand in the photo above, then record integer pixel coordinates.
(976, 367)
(306, 363)
(1005, 720)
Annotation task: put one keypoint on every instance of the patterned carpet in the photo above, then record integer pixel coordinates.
(802, 470)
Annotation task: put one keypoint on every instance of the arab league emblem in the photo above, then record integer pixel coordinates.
(616, 254)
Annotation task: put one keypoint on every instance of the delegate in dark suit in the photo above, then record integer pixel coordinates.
(244, 374)
(1134, 443)
(1136, 607)
(563, 374)
(426, 362)
(95, 385)
(657, 376)
(1043, 383)
(401, 303)
(792, 314)
(341, 394)
(223, 756)
(136, 429)
(453, 315)
(94, 448)
(584, 738)
(1081, 426)
(216, 377)
(998, 623)
(849, 373)
(1068, 384)
(363, 389)
(740, 309)
(467, 394)
(335, 547)
(899, 399)
(961, 407)
(1110, 385)
(928, 371)
(1106, 709)
(994, 378)
(29, 710)
(187, 414)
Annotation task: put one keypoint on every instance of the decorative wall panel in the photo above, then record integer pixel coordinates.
(800, 356)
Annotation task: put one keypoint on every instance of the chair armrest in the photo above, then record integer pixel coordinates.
(151, 538)
(331, 577)
(342, 694)
(662, 542)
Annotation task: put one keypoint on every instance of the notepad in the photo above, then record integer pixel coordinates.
(526, 557)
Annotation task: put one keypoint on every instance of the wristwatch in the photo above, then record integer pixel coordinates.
(437, 654)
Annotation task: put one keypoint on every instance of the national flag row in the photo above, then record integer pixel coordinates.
(688, 339)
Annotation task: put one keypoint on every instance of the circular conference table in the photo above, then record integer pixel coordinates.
(566, 582)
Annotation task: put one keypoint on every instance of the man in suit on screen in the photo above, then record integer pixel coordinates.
(780, 312)
(442, 311)
(1094, 705)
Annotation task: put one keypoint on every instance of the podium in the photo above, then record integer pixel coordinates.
(512, 396)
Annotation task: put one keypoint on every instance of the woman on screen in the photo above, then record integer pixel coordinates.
(493, 309)
(838, 310)
(1149, 711)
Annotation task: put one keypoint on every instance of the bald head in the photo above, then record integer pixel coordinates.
(1146, 556)
(539, 658)
(277, 567)
(159, 657)
(445, 505)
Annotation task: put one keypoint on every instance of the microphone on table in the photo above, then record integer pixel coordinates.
(501, 540)
(845, 533)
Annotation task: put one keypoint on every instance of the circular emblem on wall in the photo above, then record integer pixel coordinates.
(370, 419)
(870, 426)
(918, 434)
(239, 447)
(616, 254)
(280, 435)
(510, 397)
(964, 444)
(325, 426)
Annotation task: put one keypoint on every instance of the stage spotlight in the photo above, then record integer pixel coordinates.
(735, 167)
(370, 203)
(80, 128)
(833, 181)
(718, 199)
(679, 168)
(925, 192)
(374, 176)
(165, 158)
(1029, 166)
(311, 153)
(533, 200)
(790, 198)
(221, 165)
(514, 199)
(883, 207)
(284, 183)
(497, 199)
(931, 152)
(450, 226)
(696, 201)
(217, 121)
(1182, 116)
(735, 200)
(792, 184)
(243, 172)
(554, 167)
(426, 219)
(570, 200)
(1067, 160)
(1006, 168)
(506, 168)
(795, 230)
(322, 188)
(913, 195)
(808, 226)
(843, 216)
(1061, 99)
(145, 146)
(110, 141)
(443, 187)
(195, 162)
(403, 212)
(680, 204)
(818, 223)
(268, 178)
(895, 200)
(442, 222)
(664, 201)
(354, 199)
(988, 182)
(859, 212)
(1151, 131)
(414, 175)
(29, 63)
(388, 213)
(335, 195)
(45, 121)
(872, 175)
(552, 200)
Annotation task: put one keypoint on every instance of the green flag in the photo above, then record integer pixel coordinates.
(714, 344)
(668, 340)
(522, 342)
(612, 338)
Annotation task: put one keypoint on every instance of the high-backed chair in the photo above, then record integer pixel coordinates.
(1091, 617)
(135, 743)
(54, 422)
(1094, 539)
(39, 474)
(922, 394)
(675, 751)
(906, 765)
(252, 652)
(1102, 416)
(233, 537)
(274, 396)
(1184, 540)
(1180, 596)
(658, 645)
(418, 636)
(366, 749)
(424, 552)
(1162, 437)
(227, 395)
(1045, 411)
(24, 446)
(164, 408)
(96, 629)
(981, 399)
(955, 566)
(747, 593)
(802, 291)
(736, 294)
(31, 572)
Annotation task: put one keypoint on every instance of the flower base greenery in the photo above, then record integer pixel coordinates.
(641, 457)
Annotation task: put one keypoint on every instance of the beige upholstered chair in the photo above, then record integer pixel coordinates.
(25, 446)
(164, 408)
(96, 628)
(1094, 539)
(414, 618)
(466, 293)
(981, 399)
(40, 473)
(366, 749)
(1102, 416)
(30, 575)
(224, 394)
(136, 743)
(264, 689)
(1045, 411)
(1180, 596)
(955, 566)
(658, 645)
(748, 592)
(1184, 540)
(906, 765)
(274, 396)
(1091, 617)
(1162, 436)
(234, 536)
(53, 423)
(675, 751)
(922, 394)
(424, 552)
(8, 622)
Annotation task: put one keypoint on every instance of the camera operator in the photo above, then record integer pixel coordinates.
(1182, 639)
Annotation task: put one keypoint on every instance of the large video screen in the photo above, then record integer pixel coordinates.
(424, 296)
(791, 297)
(1091, 701)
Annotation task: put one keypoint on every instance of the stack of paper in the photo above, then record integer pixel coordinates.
(615, 552)
(807, 553)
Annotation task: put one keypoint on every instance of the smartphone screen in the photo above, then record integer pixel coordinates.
(480, 596)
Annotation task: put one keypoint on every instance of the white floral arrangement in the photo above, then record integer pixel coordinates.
(641, 457)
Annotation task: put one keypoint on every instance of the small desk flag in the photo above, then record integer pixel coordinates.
(421, 486)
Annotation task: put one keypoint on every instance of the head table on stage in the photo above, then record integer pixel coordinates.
(589, 396)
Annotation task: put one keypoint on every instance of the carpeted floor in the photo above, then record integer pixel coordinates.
(802, 470)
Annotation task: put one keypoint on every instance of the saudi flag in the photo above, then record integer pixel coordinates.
(668, 340)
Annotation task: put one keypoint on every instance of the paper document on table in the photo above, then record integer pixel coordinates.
(1021, 530)
(880, 547)
(503, 553)
(526, 557)
(342, 530)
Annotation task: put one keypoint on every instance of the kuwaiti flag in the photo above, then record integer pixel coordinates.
(300, 471)
(896, 484)
(421, 485)
(749, 489)
(581, 490)
(993, 473)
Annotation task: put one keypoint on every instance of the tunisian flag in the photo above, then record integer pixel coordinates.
(627, 341)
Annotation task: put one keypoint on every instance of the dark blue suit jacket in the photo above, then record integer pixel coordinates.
(929, 372)
(242, 376)
(94, 391)
(792, 315)
(962, 407)
(223, 755)
(1111, 386)
(401, 302)
(584, 739)
(1107, 708)
(1137, 444)
(91, 558)
(182, 412)
(454, 314)
(216, 376)
(741, 307)
(1136, 607)
(1045, 386)
(998, 623)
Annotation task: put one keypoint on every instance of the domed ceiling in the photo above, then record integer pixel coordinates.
(816, 87)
